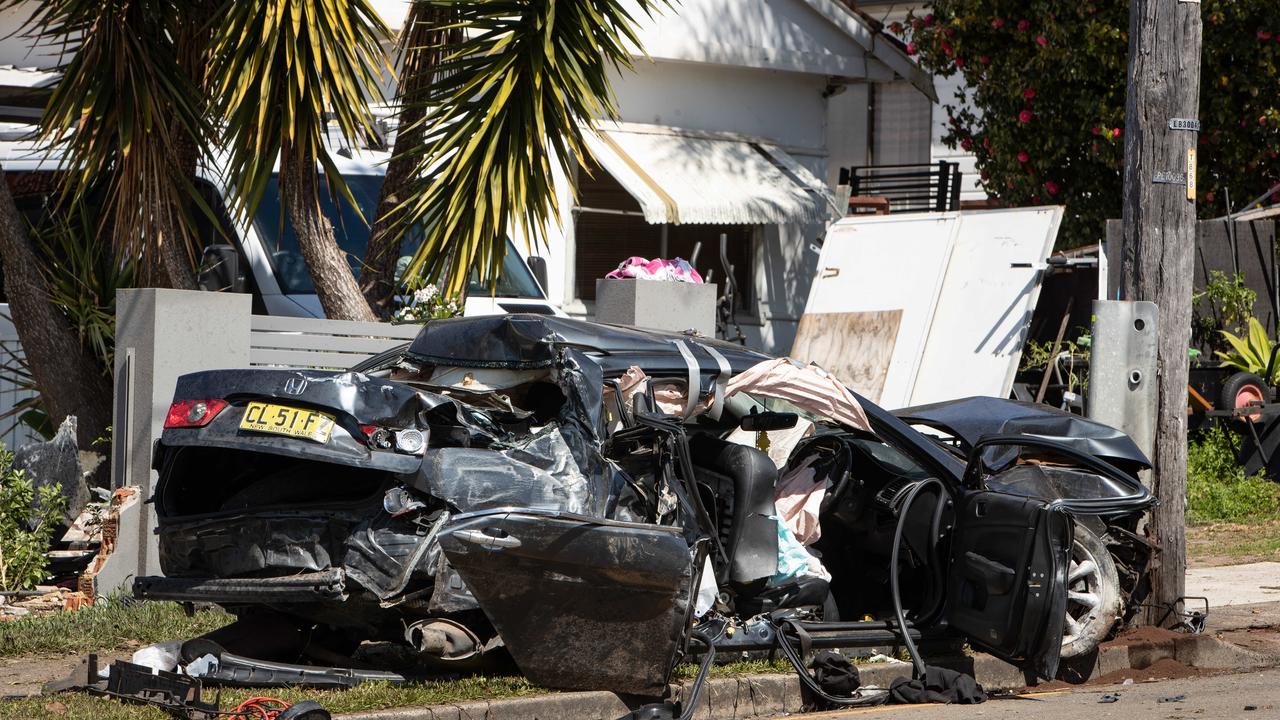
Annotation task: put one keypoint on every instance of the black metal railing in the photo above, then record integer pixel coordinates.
(908, 188)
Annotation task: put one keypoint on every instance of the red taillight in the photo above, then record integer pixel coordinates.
(376, 437)
(193, 413)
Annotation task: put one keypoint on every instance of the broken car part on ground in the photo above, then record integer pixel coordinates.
(587, 499)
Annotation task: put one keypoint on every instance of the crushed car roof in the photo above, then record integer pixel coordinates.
(525, 341)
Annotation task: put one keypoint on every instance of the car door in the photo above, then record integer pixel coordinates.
(1007, 580)
(579, 602)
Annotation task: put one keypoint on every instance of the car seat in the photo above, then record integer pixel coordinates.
(741, 480)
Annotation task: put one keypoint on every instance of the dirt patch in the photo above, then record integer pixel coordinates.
(1146, 635)
(24, 675)
(1166, 669)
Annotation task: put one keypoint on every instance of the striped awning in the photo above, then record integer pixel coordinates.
(683, 177)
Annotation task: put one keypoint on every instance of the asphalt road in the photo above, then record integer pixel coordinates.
(1205, 698)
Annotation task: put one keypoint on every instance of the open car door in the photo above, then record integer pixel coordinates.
(579, 602)
(1007, 582)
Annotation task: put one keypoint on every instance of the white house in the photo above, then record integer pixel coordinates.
(735, 121)
(916, 137)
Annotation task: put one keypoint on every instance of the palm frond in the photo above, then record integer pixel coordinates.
(284, 67)
(513, 93)
(124, 110)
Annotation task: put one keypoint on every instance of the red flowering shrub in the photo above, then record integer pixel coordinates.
(1050, 77)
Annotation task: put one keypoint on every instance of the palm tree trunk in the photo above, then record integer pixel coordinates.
(71, 381)
(174, 256)
(422, 49)
(336, 287)
(191, 46)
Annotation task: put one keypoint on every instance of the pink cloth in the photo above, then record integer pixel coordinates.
(798, 498)
(805, 386)
(677, 270)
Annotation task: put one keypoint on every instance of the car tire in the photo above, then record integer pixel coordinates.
(1241, 389)
(1093, 594)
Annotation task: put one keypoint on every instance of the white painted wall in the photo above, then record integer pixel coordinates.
(15, 47)
(889, 11)
(777, 34)
(783, 107)
(848, 120)
(969, 183)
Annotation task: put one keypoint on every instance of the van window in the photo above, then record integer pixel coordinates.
(276, 230)
(352, 234)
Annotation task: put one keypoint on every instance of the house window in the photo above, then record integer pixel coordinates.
(903, 125)
(610, 228)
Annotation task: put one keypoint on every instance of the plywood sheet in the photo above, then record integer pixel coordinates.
(856, 347)
(886, 263)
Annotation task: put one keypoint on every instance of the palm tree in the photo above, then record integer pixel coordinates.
(70, 378)
(127, 115)
(428, 33)
(516, 89)
(280, 68)
(126, 118)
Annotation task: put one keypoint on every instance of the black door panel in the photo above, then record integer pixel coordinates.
(580, 603)
(1007, 584)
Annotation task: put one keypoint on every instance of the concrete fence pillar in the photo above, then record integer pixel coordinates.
(160, 335)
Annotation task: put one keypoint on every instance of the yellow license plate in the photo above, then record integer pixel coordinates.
(285, 420)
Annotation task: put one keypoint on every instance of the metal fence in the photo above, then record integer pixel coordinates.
(13, 433)
(908, 188)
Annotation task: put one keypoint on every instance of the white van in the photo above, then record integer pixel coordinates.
(263, 257)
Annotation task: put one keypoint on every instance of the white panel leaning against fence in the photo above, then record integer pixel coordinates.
(13, 388)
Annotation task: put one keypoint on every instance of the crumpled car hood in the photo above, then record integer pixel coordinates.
(971, 418)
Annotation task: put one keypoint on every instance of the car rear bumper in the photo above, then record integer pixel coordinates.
(320, 586)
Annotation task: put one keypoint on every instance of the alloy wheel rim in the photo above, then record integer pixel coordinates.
(1084, 596)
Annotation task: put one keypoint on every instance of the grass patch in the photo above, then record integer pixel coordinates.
(1218, 491)
(108, 625)
(365, 698)
(1233, 543)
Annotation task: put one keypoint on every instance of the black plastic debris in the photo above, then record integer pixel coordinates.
(172, 692)
(1172, 699)
(176, 693)
(1110, 698)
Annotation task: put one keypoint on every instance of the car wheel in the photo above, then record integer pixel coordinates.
(1093, 594)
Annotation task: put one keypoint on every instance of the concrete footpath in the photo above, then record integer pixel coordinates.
(1229, 585)
(1237, 637)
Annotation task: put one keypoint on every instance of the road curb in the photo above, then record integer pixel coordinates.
(754, 696)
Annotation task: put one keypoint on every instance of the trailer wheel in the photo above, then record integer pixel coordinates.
(1242, 389)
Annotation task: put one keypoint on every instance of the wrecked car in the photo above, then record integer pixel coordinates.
(588, 499)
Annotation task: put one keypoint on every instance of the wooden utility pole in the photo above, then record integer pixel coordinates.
(1159, 238)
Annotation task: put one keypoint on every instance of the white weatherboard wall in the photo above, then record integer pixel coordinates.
(964, 282)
